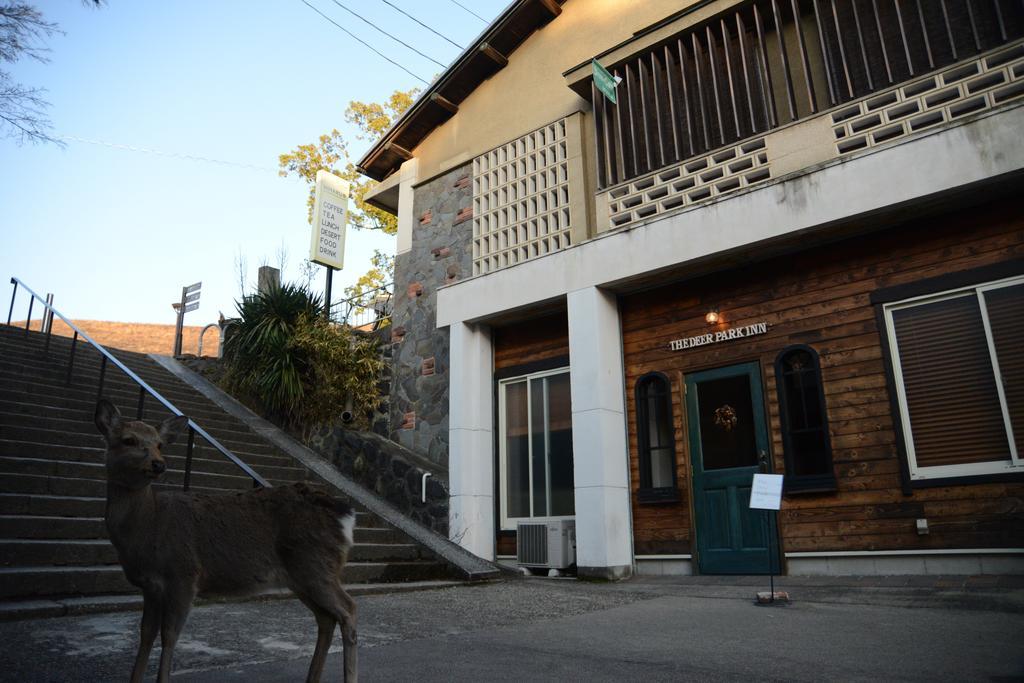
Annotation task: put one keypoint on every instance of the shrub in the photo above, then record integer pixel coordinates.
(292, 365)
(340, 364)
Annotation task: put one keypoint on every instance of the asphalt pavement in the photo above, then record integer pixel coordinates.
(650, 629)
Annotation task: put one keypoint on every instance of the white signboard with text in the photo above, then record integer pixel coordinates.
(330, 212)
(766, 493)
(751, 330)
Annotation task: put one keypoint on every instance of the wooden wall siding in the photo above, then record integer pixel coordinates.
(821, 298)
(531, 341)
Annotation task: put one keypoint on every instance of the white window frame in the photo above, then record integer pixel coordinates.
(919, 473)
(510, 523)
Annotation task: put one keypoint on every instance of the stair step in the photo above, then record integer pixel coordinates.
(206, 453)
(66, 486)
(204, 459)
(243, 440)
(70, 551)
(30, 435)
(61, 552)
(215, 421)
(36, 581)
(51, 581)
(38, 527)
(57, 506)
(87, 470)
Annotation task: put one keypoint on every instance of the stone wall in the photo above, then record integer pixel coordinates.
(390, 471)
(441, 253)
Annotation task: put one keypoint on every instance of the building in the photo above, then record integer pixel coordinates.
(793, 243)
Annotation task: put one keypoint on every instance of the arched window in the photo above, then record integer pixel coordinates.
(805, 439)
(656, 439)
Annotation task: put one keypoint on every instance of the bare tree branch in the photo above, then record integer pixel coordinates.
(23, 33)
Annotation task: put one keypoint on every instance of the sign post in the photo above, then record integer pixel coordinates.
(327, 241)
(189, 302)
(766, 494)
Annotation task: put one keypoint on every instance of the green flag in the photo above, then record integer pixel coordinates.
(604, 81)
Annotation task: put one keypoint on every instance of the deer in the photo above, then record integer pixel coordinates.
(176, 545)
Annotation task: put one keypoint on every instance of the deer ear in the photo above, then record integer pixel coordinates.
(172, 427)
(108, 419)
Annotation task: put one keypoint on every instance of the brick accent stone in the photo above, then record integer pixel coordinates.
(451, 273)
(441, 252)
(408, 421)
(464, 214)
(426, 217)
(427, 367)
(414, 290)
(397, 334)
(462, 181)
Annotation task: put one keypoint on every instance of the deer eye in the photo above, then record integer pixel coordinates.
(130, 441)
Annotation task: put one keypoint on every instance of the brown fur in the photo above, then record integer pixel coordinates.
(175, 545)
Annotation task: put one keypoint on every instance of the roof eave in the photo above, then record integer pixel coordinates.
(439, 102)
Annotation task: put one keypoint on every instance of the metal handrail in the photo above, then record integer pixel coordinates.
(144, 388)
(366, 301)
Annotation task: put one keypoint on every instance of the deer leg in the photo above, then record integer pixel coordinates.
(348, 636)
(332, 599)
(149, 628)
(325, 624)
(176, 606)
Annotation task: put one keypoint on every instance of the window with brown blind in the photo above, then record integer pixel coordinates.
(958, 361)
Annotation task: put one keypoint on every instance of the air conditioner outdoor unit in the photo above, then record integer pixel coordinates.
(550, 544)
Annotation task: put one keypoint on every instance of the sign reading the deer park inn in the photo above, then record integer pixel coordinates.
(330, 211)
(751, 330)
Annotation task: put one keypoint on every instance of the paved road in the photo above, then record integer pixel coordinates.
(563, 630)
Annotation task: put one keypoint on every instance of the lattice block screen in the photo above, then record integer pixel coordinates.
(963, 89)
(689, 182)
(521, 199)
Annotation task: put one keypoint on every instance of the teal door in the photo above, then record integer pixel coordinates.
(727, 434)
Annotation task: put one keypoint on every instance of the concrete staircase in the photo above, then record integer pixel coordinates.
(53, 546)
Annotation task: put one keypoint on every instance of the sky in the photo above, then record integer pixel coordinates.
(115, 233)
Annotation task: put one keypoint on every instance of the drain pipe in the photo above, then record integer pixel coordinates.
(423, 487)
(348, 414)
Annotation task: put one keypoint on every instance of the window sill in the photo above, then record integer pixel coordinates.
(661, 496)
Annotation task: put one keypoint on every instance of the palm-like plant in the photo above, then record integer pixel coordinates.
(263, 362)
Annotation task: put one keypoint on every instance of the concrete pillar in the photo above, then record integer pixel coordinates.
(471, 440)
(406, 220)
(604, 540)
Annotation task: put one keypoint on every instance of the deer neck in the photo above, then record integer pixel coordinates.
(130, 513)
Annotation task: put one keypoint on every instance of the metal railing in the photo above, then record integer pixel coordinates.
(144, 388)
(767, 63)
(369, 310)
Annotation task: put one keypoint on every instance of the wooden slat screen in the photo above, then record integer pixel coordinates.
(955, 415)
(1006, 317)
(770, 62)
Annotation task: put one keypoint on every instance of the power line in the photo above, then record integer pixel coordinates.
(397, 40)
(173, 155)
(399, 9)
(418, 78)
(470, 11)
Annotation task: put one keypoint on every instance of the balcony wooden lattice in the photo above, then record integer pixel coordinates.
(768, 63)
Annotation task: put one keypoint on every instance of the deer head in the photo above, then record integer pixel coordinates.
(134, 457)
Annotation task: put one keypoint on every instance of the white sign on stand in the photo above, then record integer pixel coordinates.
(766, 493)
(330, 211)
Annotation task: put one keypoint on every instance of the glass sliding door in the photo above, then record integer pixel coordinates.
(535, 447)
